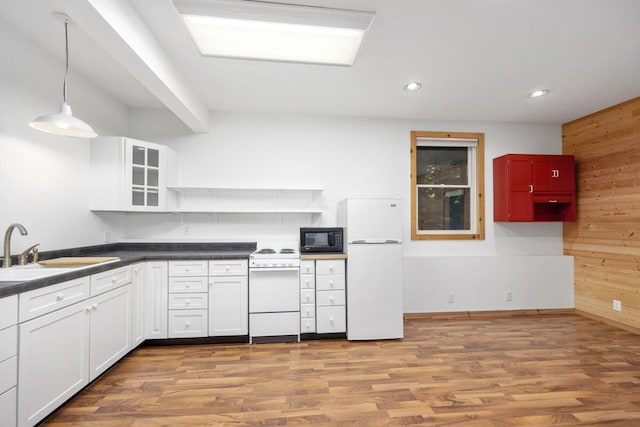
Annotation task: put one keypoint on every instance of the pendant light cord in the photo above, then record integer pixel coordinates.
(66, 68)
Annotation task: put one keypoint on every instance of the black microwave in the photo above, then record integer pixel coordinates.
(321, 239)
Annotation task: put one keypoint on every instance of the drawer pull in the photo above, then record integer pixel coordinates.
(87, 309)
(331, 320)
(331, 299)
(186, 302)
(331, 283)
(331, 268)
(226, 268)
(94, 306)
(59, 297)
(187, 324)
(114, 280)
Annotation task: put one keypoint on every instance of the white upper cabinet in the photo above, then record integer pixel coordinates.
(130, 175)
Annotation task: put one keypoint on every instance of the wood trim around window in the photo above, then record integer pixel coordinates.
(479, 235)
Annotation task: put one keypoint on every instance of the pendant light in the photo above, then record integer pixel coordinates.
(63, 122)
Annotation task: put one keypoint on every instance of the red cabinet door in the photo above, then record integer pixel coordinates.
(520, 205)
(553, 174)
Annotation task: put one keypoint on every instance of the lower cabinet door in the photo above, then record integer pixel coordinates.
(187, 323)
(331, 319)
(110, 338)
(156, 299)
(137, 304)
(228, 306)
(8, 408)
(53, 361)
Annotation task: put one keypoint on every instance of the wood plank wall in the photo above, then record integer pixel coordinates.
(605, 239)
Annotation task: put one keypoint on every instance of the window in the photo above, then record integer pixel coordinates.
(447, 185)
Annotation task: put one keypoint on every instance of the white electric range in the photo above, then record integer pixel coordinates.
(274, 293)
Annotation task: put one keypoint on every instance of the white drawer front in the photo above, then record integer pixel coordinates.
(307, 266)
(274, 324)
(188, 268)
(8, 373)
(187, 323)
(234, 267)
(8, 311)
(188, 284)
(188, 301)
(307, 296)
(329, 282)
(331, 319)
(8, 403)
(108, 280)
(307, 310)
(45, 300)
(8, 342)
(328, 298)
(307, 281)
(330, 266)
(307, 325)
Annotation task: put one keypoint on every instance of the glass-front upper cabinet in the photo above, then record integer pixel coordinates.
(129, 174)
(145, 175)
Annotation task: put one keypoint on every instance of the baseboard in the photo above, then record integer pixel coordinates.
(488, 314)
(608, 321)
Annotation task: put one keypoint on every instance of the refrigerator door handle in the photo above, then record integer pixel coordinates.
(374, 241)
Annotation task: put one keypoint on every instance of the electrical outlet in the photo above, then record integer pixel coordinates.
(452, 297)
(508, 296)
(617, 305)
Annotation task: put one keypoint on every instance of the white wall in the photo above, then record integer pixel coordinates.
(43, 177)
(364, 157)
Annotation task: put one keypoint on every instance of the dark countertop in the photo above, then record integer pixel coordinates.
(129, 253)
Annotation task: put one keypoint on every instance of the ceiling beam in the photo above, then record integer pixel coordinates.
(119, 29)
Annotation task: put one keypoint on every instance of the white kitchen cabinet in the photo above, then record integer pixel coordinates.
(110, 279)
(8, 359)
(130, 175)
(138, 283)
(62, 351)
(307, 296)
(228, 298)
(53, 360)
(110, 329)
(156, 299)
(322, 295)
(188, 301)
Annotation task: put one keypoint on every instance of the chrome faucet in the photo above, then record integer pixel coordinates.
(7, 242)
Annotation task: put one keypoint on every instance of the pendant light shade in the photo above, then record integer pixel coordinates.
(63, 122)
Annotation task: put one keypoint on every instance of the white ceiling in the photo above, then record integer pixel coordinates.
(477, 60)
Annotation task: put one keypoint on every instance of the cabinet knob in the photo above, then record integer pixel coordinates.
(187, 286)
(87, 309)
(531, 188)
(114, 279)
(331, 283)
(331, 320)
(187, 269)
(187, 324)
(59, 297)
(331, 299)
(187, 302)
(94, 306)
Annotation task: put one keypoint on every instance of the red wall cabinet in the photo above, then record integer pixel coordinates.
(534, 187)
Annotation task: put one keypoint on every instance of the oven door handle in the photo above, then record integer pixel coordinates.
(267, 269)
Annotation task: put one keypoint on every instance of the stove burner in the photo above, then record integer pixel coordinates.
(287, 251)
(266, 251)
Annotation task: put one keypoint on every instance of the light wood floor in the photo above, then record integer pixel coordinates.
(521, 371)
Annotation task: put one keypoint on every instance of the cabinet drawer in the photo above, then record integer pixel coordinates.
(327, 298)
(45, 300)
(331, 319)
(307, 281)
(188, 301)
(229, 268)
(8, 342)
(330, 266)
(107, 280)
(8, 413)
(307, 310)
(8, 373)
(307, 296)
(187, 323)
(329, 282)
(274, 324)
(188, 284)
(8, 311)
(307, 267)
(307, 325)
(188, 268)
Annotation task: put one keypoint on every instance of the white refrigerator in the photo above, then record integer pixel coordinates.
(373, 233)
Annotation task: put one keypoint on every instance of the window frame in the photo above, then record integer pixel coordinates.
(476, 182)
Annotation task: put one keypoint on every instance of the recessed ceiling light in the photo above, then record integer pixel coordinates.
(538, 93)
(275, 32)
(412, 86)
